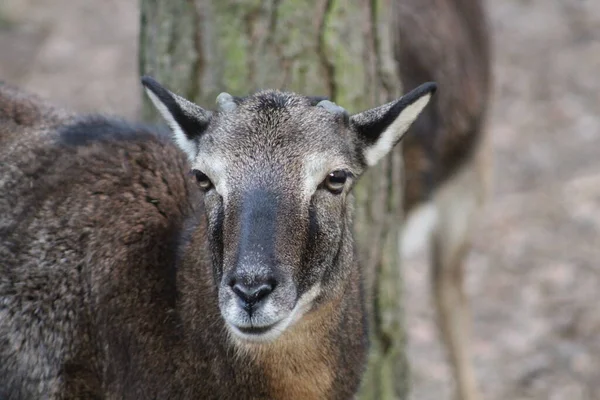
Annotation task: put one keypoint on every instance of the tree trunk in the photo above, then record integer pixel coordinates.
(340, 49)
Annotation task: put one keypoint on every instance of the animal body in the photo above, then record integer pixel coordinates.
(447, 154)
(218, 265)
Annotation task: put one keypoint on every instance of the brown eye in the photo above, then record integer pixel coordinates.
(335, 181)
(202, 179)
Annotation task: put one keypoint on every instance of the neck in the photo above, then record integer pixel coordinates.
(319, 356)
(322, 355)
(301, 363)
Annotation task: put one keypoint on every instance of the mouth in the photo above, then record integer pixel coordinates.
(258, 333)
(255, 330)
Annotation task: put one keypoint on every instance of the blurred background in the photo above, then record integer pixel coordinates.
(534, 273)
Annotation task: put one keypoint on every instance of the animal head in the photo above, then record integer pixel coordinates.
(277, 170)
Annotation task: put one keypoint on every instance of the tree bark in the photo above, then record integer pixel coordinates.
(338, 48)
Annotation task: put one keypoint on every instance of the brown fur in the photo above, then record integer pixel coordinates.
(314, 381)
(446, 41)
(447, 152)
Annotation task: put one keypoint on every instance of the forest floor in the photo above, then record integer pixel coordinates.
(533, 275)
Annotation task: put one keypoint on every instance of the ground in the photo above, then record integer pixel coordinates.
(532, 276)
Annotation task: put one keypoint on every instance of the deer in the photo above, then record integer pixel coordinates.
(213, 260)
(447, 155)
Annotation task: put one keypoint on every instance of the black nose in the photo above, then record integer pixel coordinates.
(251, 295)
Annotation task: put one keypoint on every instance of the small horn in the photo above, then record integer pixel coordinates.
(225, 102)
(332, 107)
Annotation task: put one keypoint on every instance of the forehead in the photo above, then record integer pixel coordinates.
(273, 128)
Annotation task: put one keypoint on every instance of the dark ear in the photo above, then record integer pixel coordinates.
(185, 119)
(381, 128)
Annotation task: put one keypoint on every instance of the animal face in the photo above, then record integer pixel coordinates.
(277, 170)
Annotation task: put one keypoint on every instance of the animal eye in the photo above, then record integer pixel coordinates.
(202, 179)
(335, 181)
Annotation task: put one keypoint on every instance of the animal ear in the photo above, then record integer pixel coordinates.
(186, 120)
(380, 129)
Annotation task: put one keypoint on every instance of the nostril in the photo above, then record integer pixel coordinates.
(251, 295)
(262, 292)
(271, 282)
(231, 282)
(240, 291)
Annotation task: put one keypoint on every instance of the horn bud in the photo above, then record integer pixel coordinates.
(331, 107)
(226, 102)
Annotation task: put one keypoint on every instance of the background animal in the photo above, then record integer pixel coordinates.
(447, 156)
(121, 278)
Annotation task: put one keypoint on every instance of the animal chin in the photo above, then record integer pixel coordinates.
(248, 334)
(263, 333)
